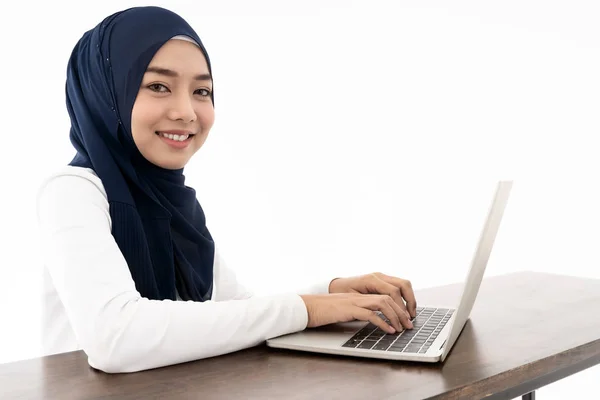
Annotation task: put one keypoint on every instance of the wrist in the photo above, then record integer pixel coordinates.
(309, 309)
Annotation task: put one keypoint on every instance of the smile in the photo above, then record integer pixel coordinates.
(177, 141)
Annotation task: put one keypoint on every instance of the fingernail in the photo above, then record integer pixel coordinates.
(391, 329)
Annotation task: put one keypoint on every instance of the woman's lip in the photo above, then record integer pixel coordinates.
(176, 132)
(181, 133)
(176, 143)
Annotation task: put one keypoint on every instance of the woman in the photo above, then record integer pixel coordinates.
(133, 276)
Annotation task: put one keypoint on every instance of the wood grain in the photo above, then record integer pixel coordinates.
(526, 330)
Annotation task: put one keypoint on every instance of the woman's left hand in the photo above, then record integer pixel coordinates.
(400, 290)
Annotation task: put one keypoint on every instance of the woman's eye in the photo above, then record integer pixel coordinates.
(157, 87)
(203, 92)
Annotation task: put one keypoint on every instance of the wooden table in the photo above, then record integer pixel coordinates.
(526, 330)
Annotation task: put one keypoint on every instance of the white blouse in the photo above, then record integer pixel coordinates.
(90, 301)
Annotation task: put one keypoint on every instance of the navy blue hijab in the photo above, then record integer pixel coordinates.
(157, 221)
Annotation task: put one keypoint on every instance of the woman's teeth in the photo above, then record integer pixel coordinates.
(179, 138)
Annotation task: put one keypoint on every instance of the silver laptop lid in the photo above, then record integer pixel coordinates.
(479, 262)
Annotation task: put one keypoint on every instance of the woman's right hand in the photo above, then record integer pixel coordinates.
(345, 307)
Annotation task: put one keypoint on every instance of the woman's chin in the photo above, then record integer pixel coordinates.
(169, 163)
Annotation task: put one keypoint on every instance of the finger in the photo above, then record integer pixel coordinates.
(402, 315)
(365, 314)
(409, 296)
(398, 318)
(406, 291)
(396, 294)
(380, 286)
(384, 304)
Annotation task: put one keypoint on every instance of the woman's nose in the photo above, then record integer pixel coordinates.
(182, 109)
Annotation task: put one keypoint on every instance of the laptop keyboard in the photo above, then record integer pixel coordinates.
(426, 327)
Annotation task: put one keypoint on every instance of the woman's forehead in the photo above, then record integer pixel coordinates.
(177, 58)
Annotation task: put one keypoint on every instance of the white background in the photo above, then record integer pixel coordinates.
(351, 137)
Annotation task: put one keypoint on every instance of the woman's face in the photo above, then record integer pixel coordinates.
(173, 110)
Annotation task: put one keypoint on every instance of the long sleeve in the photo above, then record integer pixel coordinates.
(118, 329)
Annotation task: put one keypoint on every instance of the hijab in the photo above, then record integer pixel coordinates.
(157, 221)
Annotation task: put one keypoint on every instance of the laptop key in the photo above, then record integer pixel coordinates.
(366, 344)
(395, 348)
(381, 346)
(351, 344)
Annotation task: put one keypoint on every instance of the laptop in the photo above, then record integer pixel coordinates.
(435, 328)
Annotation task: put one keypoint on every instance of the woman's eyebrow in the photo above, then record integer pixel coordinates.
(174, 74)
